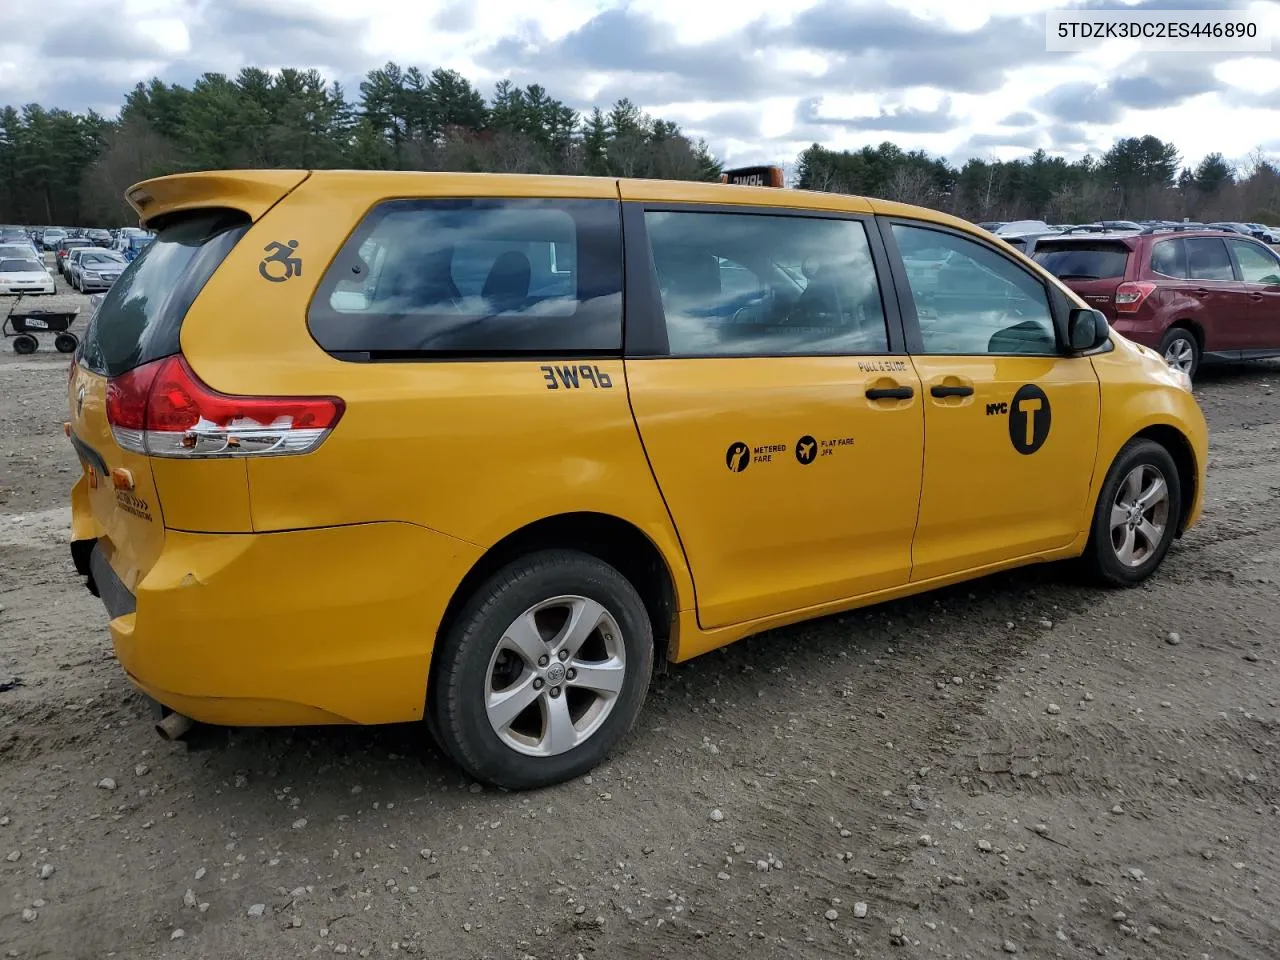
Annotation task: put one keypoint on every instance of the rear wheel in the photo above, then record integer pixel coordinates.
(1136, 517)
(66, 342)
(1181, 350)
(24, 344)
(543, 671)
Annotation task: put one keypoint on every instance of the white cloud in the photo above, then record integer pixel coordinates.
(759, 79)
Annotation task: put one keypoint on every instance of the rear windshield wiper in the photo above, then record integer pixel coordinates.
(1077, 276)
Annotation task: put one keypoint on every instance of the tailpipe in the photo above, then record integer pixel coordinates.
(174, 726)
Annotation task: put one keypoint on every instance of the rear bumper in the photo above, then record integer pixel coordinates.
(330, 625)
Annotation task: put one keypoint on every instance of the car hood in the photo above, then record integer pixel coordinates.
(31, 277)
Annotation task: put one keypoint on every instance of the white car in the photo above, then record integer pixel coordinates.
(24, 275)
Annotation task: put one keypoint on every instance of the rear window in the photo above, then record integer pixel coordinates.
(140, 318)
(1083, 261)
(475, 277)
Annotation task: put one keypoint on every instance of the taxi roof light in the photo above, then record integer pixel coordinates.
(759, 176)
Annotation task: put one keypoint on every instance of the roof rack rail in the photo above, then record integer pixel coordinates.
(1183, 227)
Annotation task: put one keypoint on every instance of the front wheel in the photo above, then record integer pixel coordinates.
(543, 671)
(1136, 517)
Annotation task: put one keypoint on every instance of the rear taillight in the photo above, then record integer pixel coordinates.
(163, 409)
(1129, 296)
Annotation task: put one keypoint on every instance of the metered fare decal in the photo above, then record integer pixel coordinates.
(807, 450)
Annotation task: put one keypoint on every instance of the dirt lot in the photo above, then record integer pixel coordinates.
(1019, 765)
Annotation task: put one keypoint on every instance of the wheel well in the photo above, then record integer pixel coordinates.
(1183, 458)
(1193, 328)
(618, 543)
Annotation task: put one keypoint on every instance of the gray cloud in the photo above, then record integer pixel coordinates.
(887, 48)
(259, 32)
(1080, 102)
(110, 40)
(901, 120)
(455, 17)
(982, 142)
(1020, 118)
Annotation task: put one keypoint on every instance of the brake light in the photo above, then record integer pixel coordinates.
(163, 409)
(1130, 295)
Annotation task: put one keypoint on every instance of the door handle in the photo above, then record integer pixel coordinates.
(890, 393)
(1202, 291)
(947, 390)
(1256, 296)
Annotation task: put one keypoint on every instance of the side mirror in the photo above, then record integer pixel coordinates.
(1087, 329)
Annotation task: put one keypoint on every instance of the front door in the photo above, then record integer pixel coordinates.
(1260, 273)
(1010, 424)
(782, 420)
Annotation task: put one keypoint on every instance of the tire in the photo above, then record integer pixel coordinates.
(1104, 560)
(544, 589)
(66, 342)
(25, 344)
(1181, 343)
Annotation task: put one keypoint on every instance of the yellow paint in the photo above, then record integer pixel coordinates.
(309, 589)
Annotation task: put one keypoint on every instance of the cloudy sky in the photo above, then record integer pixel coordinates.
(759, 79)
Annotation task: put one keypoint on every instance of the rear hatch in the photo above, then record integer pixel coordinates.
(130, 360)
(1094, 267)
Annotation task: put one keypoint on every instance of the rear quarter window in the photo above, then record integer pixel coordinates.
(140, 319)
(475, 277)
(1084, 261)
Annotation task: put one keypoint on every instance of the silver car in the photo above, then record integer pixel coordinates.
(93, 268)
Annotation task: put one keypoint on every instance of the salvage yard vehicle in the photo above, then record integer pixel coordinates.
(369, 447)
(23, 275)
(92, 268)
(1194, 294)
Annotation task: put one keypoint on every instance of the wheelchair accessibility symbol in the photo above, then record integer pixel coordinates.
(280, 263)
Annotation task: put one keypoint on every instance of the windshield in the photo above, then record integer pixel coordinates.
(19, 266)
(99, 258)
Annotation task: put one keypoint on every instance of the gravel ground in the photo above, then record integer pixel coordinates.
(1019, 765)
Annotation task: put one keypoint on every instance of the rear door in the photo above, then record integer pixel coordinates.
(1259, 271)
(1011, 424)
(1092, 268)
(1211, 282)
(779, 412)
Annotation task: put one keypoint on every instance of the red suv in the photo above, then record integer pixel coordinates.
(1194, 295)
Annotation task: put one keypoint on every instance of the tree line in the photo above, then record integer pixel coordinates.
(1138, 178)
(66, 168)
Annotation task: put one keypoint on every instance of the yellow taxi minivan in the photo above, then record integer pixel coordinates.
(369, 447)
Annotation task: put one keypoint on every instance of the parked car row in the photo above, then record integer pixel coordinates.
(1020, 233)
(120, 239)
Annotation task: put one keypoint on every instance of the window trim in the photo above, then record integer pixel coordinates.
(366, 223)
(1235, 260)
(644, 325)
(1060, 305)
(1151, 257)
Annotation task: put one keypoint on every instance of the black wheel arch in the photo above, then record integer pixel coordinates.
(610, 539)
(1184, 458)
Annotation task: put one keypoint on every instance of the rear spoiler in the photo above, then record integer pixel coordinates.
(253, 192)
(754, 177)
